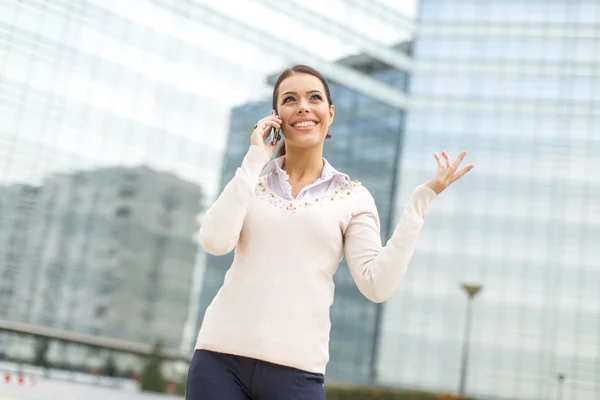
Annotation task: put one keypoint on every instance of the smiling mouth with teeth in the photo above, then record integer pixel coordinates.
(304, 124)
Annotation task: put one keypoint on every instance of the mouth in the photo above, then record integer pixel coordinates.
(304, 124)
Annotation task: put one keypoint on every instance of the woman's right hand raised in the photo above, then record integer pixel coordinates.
(262, 131)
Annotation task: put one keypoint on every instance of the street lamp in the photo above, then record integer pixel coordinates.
(471, 290)
(559, 393)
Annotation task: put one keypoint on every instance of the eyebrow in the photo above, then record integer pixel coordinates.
(310, 91)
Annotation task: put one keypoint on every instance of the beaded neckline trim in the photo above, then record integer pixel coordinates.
(340, 193)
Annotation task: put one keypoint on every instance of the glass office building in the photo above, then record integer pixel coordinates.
(365, 144)
(517, 84)
(109, 137)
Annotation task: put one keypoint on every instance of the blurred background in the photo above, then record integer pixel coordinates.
(121, 121)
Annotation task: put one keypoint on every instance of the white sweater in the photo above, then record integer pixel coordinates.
(275, 300)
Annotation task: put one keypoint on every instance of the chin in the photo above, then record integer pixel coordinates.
(305, 142)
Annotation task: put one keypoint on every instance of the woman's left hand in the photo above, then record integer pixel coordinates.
(446, 174)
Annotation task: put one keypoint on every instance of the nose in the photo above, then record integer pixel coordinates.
(303, 107)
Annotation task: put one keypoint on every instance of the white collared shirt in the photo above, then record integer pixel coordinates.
(278, 180)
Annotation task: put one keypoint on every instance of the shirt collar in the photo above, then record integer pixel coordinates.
(329, 172)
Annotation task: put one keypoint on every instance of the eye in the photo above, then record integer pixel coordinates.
(316, 96)
(285, 100)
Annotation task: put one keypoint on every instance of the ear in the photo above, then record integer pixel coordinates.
(331, 113)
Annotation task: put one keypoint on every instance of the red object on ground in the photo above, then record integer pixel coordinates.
(18, 379)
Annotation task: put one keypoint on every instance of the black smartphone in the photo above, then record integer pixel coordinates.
(275, 132)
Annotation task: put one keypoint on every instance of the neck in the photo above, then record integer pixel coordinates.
(303, 164)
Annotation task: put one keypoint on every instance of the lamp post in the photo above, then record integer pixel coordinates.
(559, 392)
(471, 290)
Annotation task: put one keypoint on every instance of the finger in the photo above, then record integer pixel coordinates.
(270, 145)
(460, 158)
(439, 160)
(259, 125)
(273, 124)
(265, 119)
(272, 117)
(447, 158)
(261, 128)
(266, 124)
(462, 172)
(267, 131)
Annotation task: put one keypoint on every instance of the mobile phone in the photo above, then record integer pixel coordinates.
(275, 132)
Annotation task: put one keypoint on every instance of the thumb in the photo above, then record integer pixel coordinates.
(270, 147)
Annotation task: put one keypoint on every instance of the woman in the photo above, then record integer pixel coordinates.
(265, 335)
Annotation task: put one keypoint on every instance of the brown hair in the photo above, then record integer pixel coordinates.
(297, 69)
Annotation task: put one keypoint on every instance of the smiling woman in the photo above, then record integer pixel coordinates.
(312, 89)
(266, 333)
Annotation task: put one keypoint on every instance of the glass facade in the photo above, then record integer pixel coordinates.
(110, 138)
(516, 84)
(360, 123)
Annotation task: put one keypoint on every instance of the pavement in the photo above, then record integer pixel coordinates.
(33, 383)
(49, 389)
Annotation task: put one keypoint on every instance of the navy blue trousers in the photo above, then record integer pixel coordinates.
(217, 376)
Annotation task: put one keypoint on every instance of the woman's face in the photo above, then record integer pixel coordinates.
(303, 108)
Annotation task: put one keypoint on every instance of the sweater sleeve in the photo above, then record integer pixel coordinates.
(221, 224)
(376, 269)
